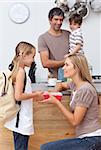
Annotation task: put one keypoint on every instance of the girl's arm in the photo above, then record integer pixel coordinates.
(19, 94)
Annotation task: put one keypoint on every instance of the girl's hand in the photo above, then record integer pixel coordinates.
(38, 95)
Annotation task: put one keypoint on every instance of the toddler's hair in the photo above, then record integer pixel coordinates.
(76, 18)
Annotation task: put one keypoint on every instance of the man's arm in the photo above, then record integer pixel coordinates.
(48, 63)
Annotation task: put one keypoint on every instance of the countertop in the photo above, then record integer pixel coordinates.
(42, 86)
(98, 87)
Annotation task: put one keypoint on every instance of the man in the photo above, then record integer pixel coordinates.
(54, 44)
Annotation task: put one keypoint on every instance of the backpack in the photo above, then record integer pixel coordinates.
(8, 106)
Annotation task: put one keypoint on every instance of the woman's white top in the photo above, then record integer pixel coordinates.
(95, 133)
(73, 96)
(25, 126)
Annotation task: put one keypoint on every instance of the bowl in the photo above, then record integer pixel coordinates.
(58, 95)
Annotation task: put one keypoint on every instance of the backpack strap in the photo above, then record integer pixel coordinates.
(5, 82)
(19, 103)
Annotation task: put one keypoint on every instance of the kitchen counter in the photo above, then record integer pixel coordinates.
(98, 87)
(50, 124)
(44, 87)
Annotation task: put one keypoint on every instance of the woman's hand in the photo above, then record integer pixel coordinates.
(58, 86)
(51, 99)
(61, 86)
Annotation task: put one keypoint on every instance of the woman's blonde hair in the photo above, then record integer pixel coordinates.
(22, 48)
(80, 61)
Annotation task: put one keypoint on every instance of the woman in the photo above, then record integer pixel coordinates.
(84, 108)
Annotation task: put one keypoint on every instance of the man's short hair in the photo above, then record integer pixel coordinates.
(56, 11)
(76, 18)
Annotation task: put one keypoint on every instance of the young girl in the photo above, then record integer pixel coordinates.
(22, 125)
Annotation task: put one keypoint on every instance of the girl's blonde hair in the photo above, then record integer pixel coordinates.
(80, 61)
(22, 48)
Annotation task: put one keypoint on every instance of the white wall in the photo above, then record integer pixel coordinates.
(12, 33)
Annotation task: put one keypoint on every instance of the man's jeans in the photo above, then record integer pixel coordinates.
(61, 74)
(86, 143)
(20, 141)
